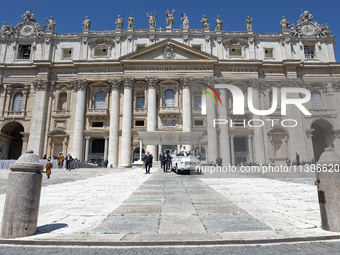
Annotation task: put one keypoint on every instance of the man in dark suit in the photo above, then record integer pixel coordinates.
(68, 162)
(147, 162)
(165, 161)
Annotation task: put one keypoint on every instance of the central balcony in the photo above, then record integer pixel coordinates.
(97, 113)
(168, 111)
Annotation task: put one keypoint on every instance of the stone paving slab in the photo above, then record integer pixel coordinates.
(137, 210)
(234, 222)
(178, 209)
(220, 208)
(128, 224)
(181, 224)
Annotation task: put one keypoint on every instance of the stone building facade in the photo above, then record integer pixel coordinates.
(89, 93)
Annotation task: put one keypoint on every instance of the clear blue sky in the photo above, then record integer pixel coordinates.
(266, 14)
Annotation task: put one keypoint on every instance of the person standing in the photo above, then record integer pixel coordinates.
(165, 161)
(198, 154)
(170, 156)
(147, 162)
(297, 159)
(68, 162)
(48, 167)
(106, 162)
(61, 159)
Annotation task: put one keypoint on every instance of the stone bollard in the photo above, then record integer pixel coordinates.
(328, 183)
(22, 197)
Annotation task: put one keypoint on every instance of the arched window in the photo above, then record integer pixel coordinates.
(62, 101)
(99, 100)
(169, 98)
(17, 102)
(140, 100)
(316, 100)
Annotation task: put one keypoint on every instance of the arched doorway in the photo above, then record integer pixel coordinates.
(136, 155)
(11, 140)
(322, 137)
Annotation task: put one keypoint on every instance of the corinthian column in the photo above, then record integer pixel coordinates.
(224, 134)
(114, 121)
(211, 130)
(152, 112)
(126, 127)
(80, 87)
(258, 132)
(186, 101)
(38, 121)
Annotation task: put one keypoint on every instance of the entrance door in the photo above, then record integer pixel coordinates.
(97, 151)
(240, 150)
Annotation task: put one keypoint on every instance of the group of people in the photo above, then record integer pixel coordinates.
(297, 158)
(61, 158)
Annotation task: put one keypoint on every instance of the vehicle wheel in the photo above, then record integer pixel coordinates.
(176, 169)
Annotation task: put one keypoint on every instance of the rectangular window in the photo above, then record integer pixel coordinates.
(198, 122)
(100, 52)
(97, 124)
(140, 46)
(197, 46)
(309, 52)
(235, 52)
(139, 123)
(67, 53)
(197, 101)
(24, 52)
(268, 53)
(140, 102)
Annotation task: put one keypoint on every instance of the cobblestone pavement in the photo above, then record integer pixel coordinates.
(296, 249)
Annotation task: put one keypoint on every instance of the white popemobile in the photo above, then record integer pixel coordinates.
(185, 163)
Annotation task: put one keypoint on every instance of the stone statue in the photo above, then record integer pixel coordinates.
(86, 24)
(249, 24)
(305, 16)
(28, 16)
(325, 31)
(205, 23)
(119, 23)
(152, 20)
(51, 24)
(131, 22)
(170, 18)
(284, 24)
(185, 21)
(219, 23)
(6, 30)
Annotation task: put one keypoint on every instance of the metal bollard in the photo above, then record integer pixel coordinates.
(328, 183)
(22, 197)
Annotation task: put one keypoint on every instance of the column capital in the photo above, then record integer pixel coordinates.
(127, 82)
(249, 136)
(232, 136)
(79, 84)
(257, 83)
(115, 83)
(152, 81)
(41, 84)
(186, 82)
(87, 137)
(210, 80)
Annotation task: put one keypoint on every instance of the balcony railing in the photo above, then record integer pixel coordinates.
(95, 112)
(16, 114)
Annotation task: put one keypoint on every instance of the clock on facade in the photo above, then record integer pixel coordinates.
(27, 30)
(307, 29)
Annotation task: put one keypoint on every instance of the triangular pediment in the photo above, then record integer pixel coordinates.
(168, 50)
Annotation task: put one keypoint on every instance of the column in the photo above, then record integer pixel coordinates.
(186, 100)
(38, 121)
(126, 125)
(114, 121)
(258, 133)
(87, 147)
(152, 113)
(105, 147)
(211, 130)
(80, 86)
(232, 150)
(250, 149)
(140, 150)
(224, 129)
